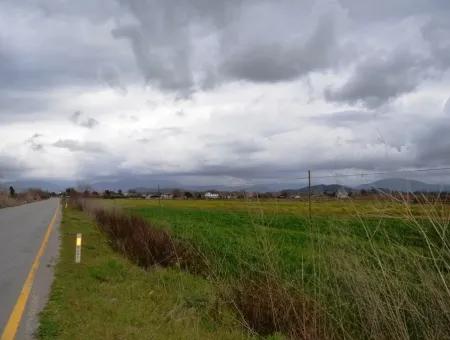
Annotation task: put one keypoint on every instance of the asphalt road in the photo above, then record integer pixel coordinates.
(22, 231)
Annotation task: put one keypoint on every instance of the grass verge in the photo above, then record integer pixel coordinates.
(108, 297)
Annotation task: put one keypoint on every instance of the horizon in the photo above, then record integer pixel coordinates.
(388, 183)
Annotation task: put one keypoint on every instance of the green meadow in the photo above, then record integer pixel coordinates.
(377, 268)
(354, 270)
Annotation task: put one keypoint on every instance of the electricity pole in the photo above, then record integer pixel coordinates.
(309, 193)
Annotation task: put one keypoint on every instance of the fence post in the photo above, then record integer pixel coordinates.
(309, 193)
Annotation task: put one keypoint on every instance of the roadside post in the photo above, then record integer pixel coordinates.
(78, 249)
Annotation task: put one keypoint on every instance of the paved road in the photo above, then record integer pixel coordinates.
(22, 231)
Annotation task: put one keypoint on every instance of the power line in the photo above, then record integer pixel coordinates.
(362, 174)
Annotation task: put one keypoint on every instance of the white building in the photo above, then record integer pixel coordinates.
(342, 194)
(211, 195)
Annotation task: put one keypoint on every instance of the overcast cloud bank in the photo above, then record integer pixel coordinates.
(230, 91)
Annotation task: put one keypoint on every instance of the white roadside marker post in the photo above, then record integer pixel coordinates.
(78, 249)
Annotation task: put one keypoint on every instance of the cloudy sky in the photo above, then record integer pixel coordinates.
(230, 92)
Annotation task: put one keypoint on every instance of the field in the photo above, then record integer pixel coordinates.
(378, 269)
(234, 233)
(355, 270)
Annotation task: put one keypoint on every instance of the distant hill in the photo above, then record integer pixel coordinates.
(320, 189)
(141, 182)
(404, 185)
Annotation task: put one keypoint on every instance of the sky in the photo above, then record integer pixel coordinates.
(222, 92)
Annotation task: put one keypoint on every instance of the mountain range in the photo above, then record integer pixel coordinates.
(405, 185)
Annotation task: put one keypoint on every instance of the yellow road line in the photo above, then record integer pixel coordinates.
(16, 316)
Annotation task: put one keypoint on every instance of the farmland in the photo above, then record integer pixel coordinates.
(355, 270)
(379, 263)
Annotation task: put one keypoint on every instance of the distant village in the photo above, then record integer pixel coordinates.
(169, 194)
(321, 192)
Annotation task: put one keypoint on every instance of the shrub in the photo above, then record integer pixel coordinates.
(141, 242)
(267, 307)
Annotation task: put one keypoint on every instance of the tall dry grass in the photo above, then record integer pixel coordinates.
(388, 290)
(6, 200)
(28, 196)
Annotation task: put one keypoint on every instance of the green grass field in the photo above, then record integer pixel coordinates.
(356, 270)
(233, 233)
(378, 263)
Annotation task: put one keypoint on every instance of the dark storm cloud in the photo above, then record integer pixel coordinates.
(167, 38)
(111, 76)
(52, 52)
(433, 145)
(390, 9)
(281, 61)
(290, 170)
(16, 102)
(181, 46)
(346, 118)
(77, 146)
(10, 166)
(43, 49)
(48, 69)
(437, 33)
(380, 78)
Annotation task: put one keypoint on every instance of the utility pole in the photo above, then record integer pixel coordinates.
(309, 193)
(159, 197)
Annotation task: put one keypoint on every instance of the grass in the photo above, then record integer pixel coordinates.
(357, 270)
(108, 297)
(375, 269)
(234, 233)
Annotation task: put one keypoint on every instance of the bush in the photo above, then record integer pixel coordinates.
(267, 307)
(141, 242)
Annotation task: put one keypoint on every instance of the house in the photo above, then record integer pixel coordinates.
(166, 196)
(342, 194)
(211, 195)
(152, 196)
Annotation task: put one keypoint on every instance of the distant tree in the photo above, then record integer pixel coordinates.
(188, 195)
(176, 193)
(120, 192)
(12, 192)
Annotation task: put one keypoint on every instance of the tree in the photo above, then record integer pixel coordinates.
(12, 192)
(177, 193)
